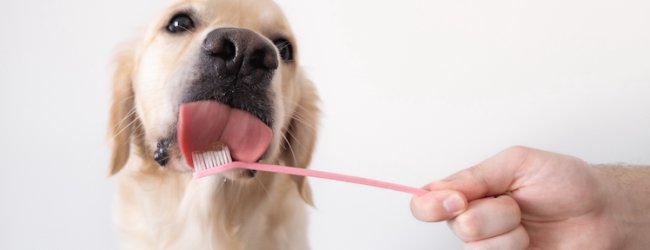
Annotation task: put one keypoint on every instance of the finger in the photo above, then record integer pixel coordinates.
(514, 240)
(494, 176)
(438, 205)
(486, 218)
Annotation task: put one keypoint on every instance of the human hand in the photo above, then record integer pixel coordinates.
(524, 198)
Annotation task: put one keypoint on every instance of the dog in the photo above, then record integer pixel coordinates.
(235, 54)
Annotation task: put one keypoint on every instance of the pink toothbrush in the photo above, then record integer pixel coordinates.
(216, 162)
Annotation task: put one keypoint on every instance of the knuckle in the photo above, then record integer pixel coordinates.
(468, 227)
(518, 150)
(517, 156)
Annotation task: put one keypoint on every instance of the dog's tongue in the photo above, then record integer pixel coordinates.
(204, 125)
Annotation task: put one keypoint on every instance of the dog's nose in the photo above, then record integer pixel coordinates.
(235, 50)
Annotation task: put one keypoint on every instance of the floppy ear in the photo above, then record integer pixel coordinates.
(301, 136)
(122, 114)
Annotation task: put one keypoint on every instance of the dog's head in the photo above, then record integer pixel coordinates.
(228, 54)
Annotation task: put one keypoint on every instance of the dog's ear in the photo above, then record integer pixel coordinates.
(301, 136)
(122, 114)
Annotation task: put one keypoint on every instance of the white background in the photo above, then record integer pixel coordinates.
(412, 91)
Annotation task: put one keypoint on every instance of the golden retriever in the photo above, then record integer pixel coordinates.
(239, 53)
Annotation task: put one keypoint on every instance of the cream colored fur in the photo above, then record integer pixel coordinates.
(162, 207)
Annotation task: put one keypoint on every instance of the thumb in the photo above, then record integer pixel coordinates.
(438, 205)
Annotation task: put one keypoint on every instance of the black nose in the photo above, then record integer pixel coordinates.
(234, 51)
(235, 67)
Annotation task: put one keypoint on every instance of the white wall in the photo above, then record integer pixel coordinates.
(412, 91)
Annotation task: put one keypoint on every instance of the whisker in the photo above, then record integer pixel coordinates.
(123, 129)
(127, 116)
(295, 139)
(299, 106)
(266, 191)
(304, 122)
(282, 45)
(186, 29)
(293, 154)
(137, 127)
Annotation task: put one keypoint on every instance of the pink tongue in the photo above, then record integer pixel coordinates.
(206, 124)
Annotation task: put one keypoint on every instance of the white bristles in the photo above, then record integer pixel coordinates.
(211, 159)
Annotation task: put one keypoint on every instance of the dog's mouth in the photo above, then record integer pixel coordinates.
(209, 125)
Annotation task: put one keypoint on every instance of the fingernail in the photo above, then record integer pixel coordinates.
(453, 204)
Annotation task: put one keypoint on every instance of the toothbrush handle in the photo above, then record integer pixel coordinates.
(311, 173)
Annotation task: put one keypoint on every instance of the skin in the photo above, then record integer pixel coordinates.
(524, 198)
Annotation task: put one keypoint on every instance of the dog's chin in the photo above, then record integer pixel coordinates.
(240, 175)
(247, 175)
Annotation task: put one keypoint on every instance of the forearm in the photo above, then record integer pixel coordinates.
(629, 197)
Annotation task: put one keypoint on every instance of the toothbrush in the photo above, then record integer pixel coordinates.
(216, 162)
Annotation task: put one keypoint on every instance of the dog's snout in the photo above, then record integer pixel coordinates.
(239, 50)
(235, 67)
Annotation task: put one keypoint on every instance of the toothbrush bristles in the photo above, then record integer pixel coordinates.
(211, 159)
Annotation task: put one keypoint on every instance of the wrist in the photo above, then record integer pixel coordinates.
(626, 198)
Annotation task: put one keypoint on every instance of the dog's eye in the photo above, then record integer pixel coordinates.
(180, 23)
(284, 48)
